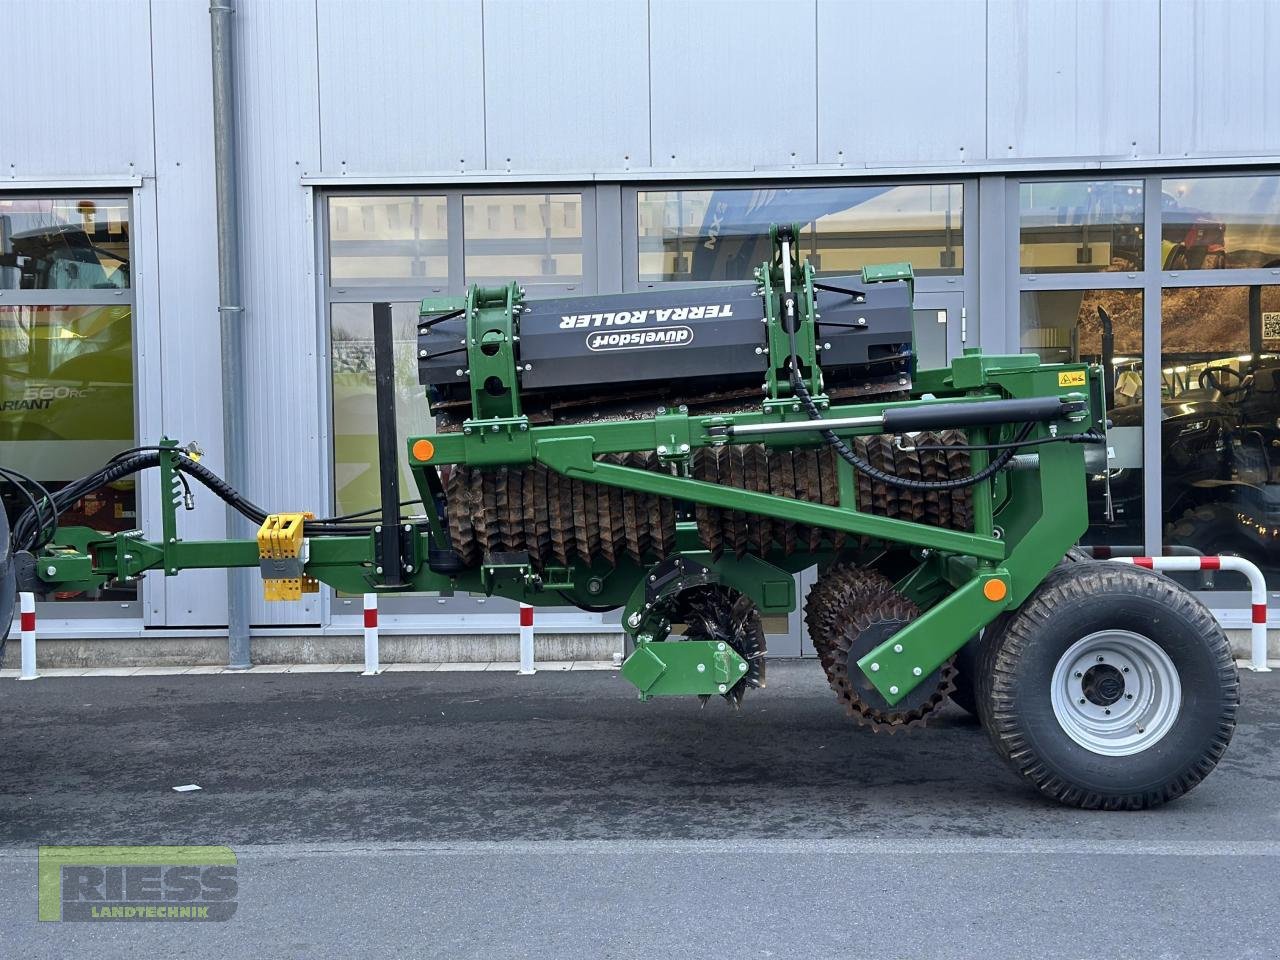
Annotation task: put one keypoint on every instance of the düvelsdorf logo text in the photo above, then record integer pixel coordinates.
(183, 884)
(638, 339)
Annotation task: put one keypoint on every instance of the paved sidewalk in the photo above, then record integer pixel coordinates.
(465, 814)
(473, 666)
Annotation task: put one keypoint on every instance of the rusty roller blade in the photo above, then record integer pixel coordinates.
(738, 527)
(591, 502)
(613, 531)
(486, 515)
(561, 527)
(863, 481)
(937, 508)
(581, 536)
(829, 478)
(462, 533)
(706, 467)
(908, 462)
(857, 635)
(840, 592)
(782, 483)
(563, 521)
(542, 525)
(809, 488)
(515, 533)
(755, 466)
(651, 507)
(635, 534)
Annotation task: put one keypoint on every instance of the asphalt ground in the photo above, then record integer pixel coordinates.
(489, 815)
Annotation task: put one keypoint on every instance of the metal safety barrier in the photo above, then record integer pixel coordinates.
(1111, 551)
(1257, 588)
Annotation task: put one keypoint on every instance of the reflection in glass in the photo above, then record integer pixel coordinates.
(56, 243)
(1211, 223)
(688, 235)
(1105, 327)
(66, 407)
(532, 238)
(386, 240)
(355, 438)
(1220, 442)
(1080, 226)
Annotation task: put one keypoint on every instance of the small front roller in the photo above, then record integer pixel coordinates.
(1110, 687)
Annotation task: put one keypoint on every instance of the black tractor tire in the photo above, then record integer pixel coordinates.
(969, 657)
(1099, 603)
(1218, 528)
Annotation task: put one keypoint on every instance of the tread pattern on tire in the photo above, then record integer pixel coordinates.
(997, 695)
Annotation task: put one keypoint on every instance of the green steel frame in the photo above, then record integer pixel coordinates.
(1024, 520)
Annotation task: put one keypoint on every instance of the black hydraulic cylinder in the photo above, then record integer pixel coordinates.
(989, 413)
(384, 366)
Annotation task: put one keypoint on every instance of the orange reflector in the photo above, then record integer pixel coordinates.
(995, 590)
(423, 450)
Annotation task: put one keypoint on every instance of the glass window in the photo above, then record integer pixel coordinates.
(531, 238)
(355, 419)
(388, 240)
(64, 243)
(1211, 223)
(1100, 326)
(688, 235)
(66, 407)
(1220, 416)
(1080, 226)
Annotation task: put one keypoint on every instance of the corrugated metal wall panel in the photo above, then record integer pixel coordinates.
(1072, 78)
(901, 82)
(1220, 87)
(84, 71)
(733, 84)
(187, 285)
(279, 139)
(401, 85)
(566, 84)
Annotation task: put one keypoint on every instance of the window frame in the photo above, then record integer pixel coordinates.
(58, 614)
(630, 198)
(428, 613)
(1152, 280)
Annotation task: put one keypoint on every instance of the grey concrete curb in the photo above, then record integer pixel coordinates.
(317, 649)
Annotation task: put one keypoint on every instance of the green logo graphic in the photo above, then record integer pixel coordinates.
(186, 884)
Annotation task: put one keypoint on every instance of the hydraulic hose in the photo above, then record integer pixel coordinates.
(785, 237)
(32, 529)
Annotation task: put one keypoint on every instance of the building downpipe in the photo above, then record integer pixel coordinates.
(230, 313)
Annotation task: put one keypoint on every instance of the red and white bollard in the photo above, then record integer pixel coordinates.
(526, 640)
(371, 666)
(27, 621)
(1257, 589)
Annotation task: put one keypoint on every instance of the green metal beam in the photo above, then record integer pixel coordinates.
(573, 458)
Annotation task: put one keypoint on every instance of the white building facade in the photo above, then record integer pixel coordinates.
(1041, 164)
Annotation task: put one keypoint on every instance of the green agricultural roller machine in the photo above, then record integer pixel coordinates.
(679, 455)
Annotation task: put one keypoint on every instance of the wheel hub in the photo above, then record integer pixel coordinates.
(1103, 684)
(1116, 692)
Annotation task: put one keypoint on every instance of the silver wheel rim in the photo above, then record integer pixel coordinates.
(1116, 693)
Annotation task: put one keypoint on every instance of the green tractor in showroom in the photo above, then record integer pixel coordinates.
(680, 454)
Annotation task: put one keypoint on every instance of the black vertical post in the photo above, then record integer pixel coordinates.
(384, 366)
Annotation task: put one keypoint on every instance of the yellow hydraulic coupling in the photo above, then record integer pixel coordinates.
(282, 557)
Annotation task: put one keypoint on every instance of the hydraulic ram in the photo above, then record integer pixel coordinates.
(931, 416)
